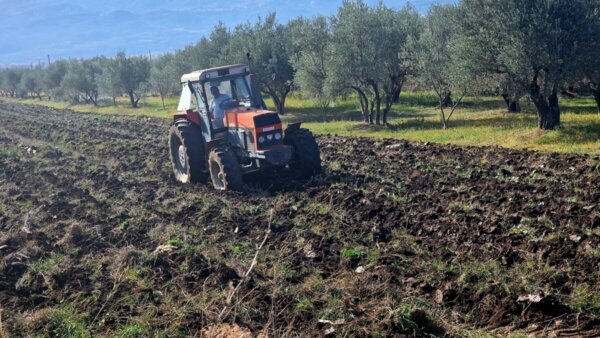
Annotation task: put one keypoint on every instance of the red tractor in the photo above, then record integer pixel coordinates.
(222, 130)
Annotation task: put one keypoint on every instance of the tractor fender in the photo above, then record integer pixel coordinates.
(190, 115)
(292, 127)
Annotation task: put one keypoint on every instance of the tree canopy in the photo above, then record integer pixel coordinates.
(514, 48)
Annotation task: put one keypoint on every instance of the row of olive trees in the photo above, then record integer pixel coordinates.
(513, 47)
(81, 80)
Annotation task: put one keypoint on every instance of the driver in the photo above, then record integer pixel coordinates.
(215, 106)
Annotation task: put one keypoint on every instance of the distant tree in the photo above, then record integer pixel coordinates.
(53, 77)
(128, 75)
(162, 77)
(73, 80)
(589, 57)
(352, 64)
(32, 82)
(93, 69)
(109, 82)
(369, 54)
(217, 49)
(270, 46)
(534, 42)
(11, 80)
(436, 67)
(81, 80)
(396, 30)
(311, 38)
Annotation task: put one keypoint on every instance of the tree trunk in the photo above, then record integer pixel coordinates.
(372, 112)
(281, 108)
(132, 99)
(162, 98)
(506, 98)
(391, 98)
(443, 116)
(93, 98)
(279, 102)
(512, 105)
(548, 110)
(396, 98)
(364, 104)
(447, 101)
(597, 97)
(377, 103)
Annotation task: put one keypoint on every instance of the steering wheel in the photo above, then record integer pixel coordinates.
(229, 103)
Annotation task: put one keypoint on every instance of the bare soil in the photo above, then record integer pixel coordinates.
(394, 238)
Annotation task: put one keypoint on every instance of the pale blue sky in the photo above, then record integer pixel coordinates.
(32, 29)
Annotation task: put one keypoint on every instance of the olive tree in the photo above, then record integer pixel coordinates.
(534, 42)
(32, 82)
(311, 38)
(127, 75)
(397, 62)
(81, 80)
(163, 77)
(53, 77)
(352, 64)
(370, 54)
(589, 58)
(436, 67)
(270, 46)
(11, 80)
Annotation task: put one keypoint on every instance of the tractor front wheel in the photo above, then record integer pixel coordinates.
(306, 160)
(225, 171)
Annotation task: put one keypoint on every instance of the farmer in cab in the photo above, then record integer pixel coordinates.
(215, 106)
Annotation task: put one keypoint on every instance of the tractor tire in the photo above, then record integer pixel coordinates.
(306, 160)
(225, 171)
(186, 149)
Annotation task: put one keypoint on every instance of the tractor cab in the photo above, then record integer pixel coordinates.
(221, 117)
(233, 83)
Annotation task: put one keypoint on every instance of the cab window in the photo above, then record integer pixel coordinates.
(187, 100)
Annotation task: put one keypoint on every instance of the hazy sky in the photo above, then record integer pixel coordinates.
(32, 29)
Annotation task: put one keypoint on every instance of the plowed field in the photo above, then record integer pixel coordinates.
(394, 238)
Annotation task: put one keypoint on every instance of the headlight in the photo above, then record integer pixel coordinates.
(270, 137)
(278, 136)
(261, 139)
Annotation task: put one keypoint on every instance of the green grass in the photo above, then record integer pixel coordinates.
(477, 122)
(148, 106)
(66, 322)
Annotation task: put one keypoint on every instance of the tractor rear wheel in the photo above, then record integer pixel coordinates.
(306, 160)
(186, 149)
(225, 171)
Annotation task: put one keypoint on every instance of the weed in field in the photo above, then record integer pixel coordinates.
(352, 253)
(304, 305)
(47, 265)
(483, 276)
(242, 250)
(132, 331)
(65, 322)
(585, 298)
(534, 274)
(176, 241)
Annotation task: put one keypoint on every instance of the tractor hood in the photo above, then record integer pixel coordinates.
(251, 118)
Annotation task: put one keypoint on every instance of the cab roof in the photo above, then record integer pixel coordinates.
(215, 72)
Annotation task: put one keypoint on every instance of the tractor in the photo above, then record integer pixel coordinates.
(223, 131)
